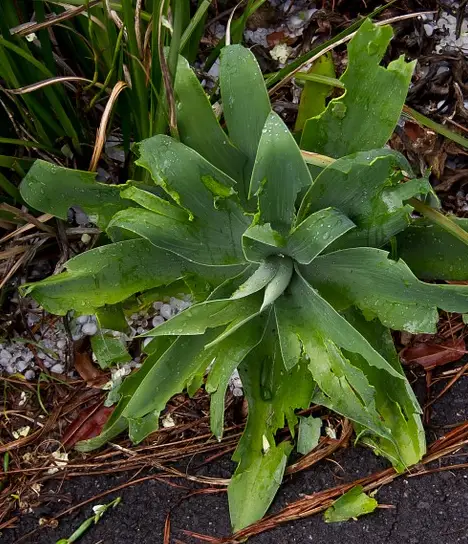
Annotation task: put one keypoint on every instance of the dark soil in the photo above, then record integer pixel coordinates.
(428, 509)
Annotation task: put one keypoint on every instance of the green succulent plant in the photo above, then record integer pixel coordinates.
(288, 263)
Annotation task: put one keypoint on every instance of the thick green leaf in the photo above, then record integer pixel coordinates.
(394, 399)
(196, 241)
(315, 233)
(209, 314)
(229, 355)
(251, 492)
(112, 273)
(259, 279)
(432, 253)
(279, 283)
(314, 94)
(303, 312)
(154, 203)
(365, 115)
(54, 189)
(245, 100)
(367, 188)
(351, 505)
(199, 128)
(309, 434)
(383, 288)
(260, 242)
(144, 394)
(109, 349)
(279, 174)
(272, 395)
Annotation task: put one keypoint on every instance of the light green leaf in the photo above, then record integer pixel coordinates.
(279, 174)
(351, 505)
(309, 434)
(367, 188)
(110, 274)
(154, 203)
(366, 114)
(199, 128)
(314, 94)
(315, 233)
(259, 279)
(432, 253)
(245, 100)
(383, 288)
(251, 492)
(109, 349)
(209, 314)
(229, 355)
(394, 399)
(54, 189)
(279, 283)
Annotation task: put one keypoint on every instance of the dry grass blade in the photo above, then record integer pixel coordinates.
(102, 129)
(341, 42)
(46, 82)
(41, 219)
(29, 28)
(28, 217)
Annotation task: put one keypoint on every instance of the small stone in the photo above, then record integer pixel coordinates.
(157, 320)
(423, 505)
(61, 344)
(29, 374)
(86, 238)
(21, 365)
(4, 354)
(58, 368)
(157, 305)
(166, 311)
(82, 319)
(428, 29)
(89, 329)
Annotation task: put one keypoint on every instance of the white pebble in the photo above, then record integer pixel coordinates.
(21, 365)
(158, 320)
(157, 305)
(82, 319)
(61, 344)
(29, 374)
(58, 369)
(428, 29)
(4, 354)
(89, 329)
(166, 311)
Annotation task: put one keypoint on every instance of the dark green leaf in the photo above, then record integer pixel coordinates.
(109, 349)
(383, 288)
(279, 174)
(315, 233)
(367, 188)
(432, 253)
(365, 115)
(229, 355)
(110, 274)
(54, 189)
(199, 128)
(245, 100)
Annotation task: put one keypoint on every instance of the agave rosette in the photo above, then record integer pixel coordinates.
(289, 263)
